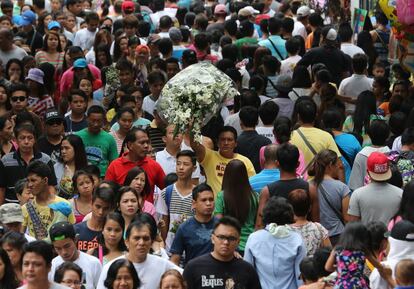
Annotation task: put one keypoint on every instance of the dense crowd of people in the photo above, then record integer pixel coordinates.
(303, 180)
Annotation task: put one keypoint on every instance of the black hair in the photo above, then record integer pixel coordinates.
(96, 109)
(170, 179)
(301, 77)
(288, 157)
(79, 92)
(117, 217)
(165, 46)
(9, 280)
(132, 134)
(378, 132)
(66, 266)
(381, 18)
(308, 270)
(165, 22)
(366, 105)
(345, 32)
(132, 173)
(105, 194)
(40, 169)
(90, 16)
(228, 128)
(355, 237)
(332, 118)
(20, 127)
(282, 128)
(306, 110)
(359, 63)
(249, 97)
(123, 110)
(377, 230)
(292, 46)
(200, 188)
(187, 153)
(278, 210)
(202, 41)
(189, 57)
(271, 63)
(144, 28)
(93, 170)
(156, 76)
(228, 221)
(41, 248)
(113, 272)
(268, 112)
(79, 148)
(274, 25)
(319, 260)
(300, 201)
(231, 27)
(288, 24)
(75, 177)
(124, 64)
(143, 220)
(397, 122)
(249, 116)
(407, 137)
(407, 203)
(246, 28)
(14, 239)
(19, 87)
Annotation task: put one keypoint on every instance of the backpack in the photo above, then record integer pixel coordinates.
(404, 162)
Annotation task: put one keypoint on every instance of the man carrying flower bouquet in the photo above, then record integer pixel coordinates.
(215, 162)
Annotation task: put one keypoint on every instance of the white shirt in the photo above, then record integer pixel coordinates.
(148, 105)
(169, 163)
(91, 268)
(266, 131)
(288, 65)
(299, 29)
(352, 86)
(351, 49)
(149, 271)
(84, 38)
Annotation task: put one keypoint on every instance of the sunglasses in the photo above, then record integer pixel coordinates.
(18, 98)
(54, 121)
(229, 239)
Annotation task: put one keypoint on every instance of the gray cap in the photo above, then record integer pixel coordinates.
(283, 83)
(175, 34)
(11, 213)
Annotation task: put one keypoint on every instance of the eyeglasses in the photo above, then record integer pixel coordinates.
(230, 239)
(18, 98)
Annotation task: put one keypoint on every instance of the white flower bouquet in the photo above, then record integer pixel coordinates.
(195, 94)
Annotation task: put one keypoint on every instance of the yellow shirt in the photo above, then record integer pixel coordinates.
(319, 140)
(214, 165)
(47, 215)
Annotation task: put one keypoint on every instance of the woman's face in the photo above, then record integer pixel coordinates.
(142, 56)
(63, 42)
(138, 183)
(14, 254)
(70, 23)
(123, 45)
(67, 152)
(112, 232)
(86, 5)
(14, 69)
(123, 279)
(52, 41)
(84, 185)
(71, 279)
(47, 20)
(7, 132)
(131, 50)
(171, 282)
(101, 56)
(86, 86)
(125, 121)
(128, 205)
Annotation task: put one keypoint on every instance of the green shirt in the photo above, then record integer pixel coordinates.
(100, 148)
(248, 226)
(245, 41)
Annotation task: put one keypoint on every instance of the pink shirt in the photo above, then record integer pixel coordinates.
(67, 77)
(300, 168)
(148, 208)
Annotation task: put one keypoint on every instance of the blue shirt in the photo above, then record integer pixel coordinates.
(193, 238)
(350, 145)
(262, 179)
(279, 43)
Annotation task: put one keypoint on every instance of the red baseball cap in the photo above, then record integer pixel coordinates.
(260, 17)
(128, 6)
(378, 167)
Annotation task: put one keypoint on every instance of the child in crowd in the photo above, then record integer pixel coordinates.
(404, 274)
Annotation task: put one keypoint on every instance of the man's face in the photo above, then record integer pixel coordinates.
(130, 31)
(156, 88)
(400, 91)
(226, 142)
(66, 249)
(78, 104)
(55, 127)
(95, 123)
(18, 100)
(75, 8)
(378, 71)
(204, 204)
(170, 140)
(15, 226)
(184, 167)
(8, 12)
(139, 242)
(36, 184)
(34, 268)
(25, 141)
(92, 25)
(126, 77)
(100, 209)
(140, 146)
(225, 240)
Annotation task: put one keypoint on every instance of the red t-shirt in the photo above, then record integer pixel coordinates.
(119, 168)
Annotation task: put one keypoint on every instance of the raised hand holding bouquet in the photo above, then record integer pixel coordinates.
(194, 95)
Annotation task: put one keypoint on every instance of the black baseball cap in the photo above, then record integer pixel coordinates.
(403, 231)
(61, 231)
